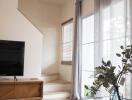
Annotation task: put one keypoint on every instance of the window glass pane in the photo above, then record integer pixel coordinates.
(67, 51)
(67, 36)
(88, 30)
(87, 52)
(113, 21)
(67, 32)
(128, 18)
(88, 57)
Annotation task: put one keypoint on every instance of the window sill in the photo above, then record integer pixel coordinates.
(66, 62)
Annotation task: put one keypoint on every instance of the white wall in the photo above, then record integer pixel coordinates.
(87, 7)
(67, 13)
(14, 26)
(46, 16)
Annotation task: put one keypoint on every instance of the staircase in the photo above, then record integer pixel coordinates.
(55, 88)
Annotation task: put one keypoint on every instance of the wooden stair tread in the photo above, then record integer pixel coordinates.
(60, 82)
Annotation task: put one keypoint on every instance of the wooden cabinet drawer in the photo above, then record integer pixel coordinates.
(27, 90)
(21, 90)
(7, 91)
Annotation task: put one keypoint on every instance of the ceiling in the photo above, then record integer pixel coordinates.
(58, 2)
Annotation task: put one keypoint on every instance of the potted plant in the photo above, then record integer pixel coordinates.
(105, 74)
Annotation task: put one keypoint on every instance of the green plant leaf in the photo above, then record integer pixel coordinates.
(129, 65)
(87, 94)
(118, 55)
(128, 45)
(121, 47)
(123, 52)
(86, 87)
(109, 63)
(130, 60)
(127, 50)
(130, 70)
(127, 55)
(119, 66)
(106, 85)
(124, 60)
(104, 63)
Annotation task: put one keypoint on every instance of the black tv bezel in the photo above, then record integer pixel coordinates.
(23, 51)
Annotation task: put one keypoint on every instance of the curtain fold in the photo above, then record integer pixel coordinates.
(76, 86)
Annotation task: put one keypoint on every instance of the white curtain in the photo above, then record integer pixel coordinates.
(112, 29)
(76, 86)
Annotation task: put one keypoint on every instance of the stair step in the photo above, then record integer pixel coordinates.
(56, 86)
(64, 95)
(52, 77)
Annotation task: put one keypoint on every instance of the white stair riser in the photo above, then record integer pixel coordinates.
(62, 96)
(56, 87)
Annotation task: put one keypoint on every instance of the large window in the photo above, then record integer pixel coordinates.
(67, 42)
(113, 32)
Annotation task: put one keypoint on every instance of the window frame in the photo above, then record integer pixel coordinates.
(64, 23)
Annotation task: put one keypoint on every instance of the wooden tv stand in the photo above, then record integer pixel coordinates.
(21, 90)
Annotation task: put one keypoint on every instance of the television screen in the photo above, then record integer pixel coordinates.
(11, 58)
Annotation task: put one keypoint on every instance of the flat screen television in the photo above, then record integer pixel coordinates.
(11, 58)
